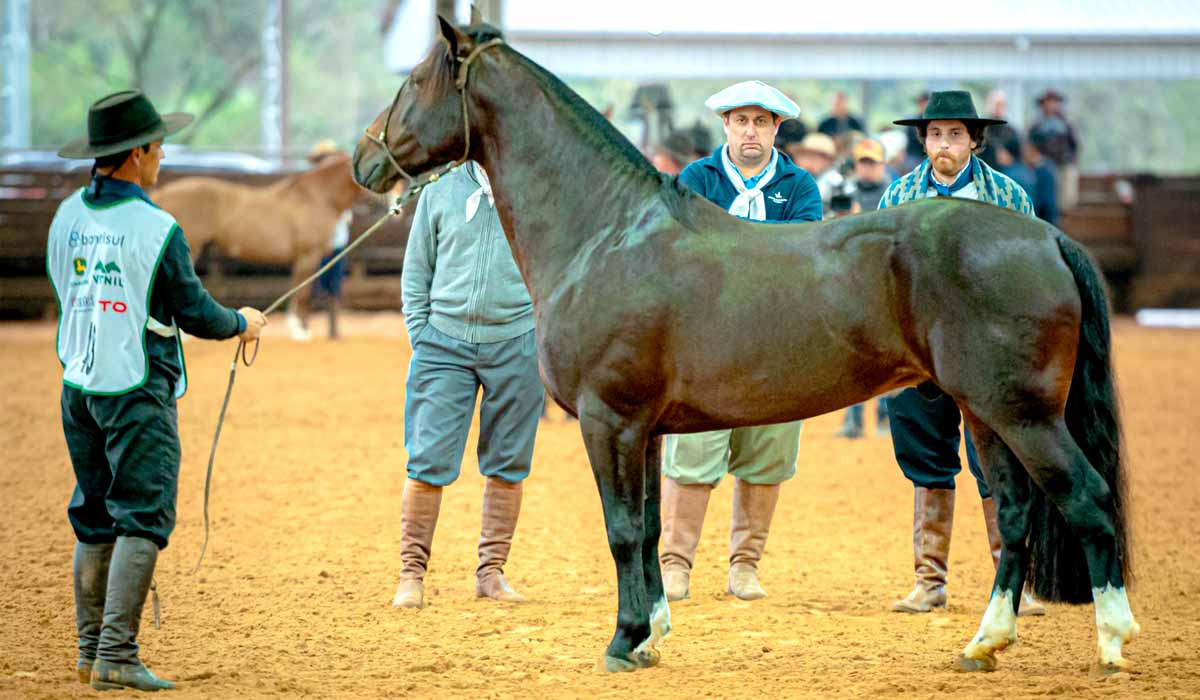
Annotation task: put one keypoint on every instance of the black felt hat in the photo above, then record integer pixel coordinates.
(950, 104)
(121, 121)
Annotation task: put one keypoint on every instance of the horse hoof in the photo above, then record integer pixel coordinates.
(645, 657)
(970, 664)
(1110, 668)
(611, 664)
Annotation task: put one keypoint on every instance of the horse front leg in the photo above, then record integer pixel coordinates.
(298, 305)
(616, 448)
(1011, 489)
(660, 611)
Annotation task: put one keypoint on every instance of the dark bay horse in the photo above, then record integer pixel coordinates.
(288, 222)
(657, 312)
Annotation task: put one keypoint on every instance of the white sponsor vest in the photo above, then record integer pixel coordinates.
(101, 261)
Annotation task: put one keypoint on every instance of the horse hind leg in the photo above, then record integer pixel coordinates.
(617, 451)
(1059, 468)
(1011, 490)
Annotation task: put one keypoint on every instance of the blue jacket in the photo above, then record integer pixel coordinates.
(791, 195)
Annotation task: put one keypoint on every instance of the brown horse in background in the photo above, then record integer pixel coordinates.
(288, 222)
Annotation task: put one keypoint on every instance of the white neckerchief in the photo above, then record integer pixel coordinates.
(749, 204)
(485, 189)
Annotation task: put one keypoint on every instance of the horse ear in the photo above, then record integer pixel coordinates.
(451, 34)
(476, 14)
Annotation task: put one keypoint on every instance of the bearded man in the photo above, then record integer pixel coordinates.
(925, 421)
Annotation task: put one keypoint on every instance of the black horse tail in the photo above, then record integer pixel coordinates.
(1058, 568)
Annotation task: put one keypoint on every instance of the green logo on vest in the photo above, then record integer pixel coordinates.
(104, 274)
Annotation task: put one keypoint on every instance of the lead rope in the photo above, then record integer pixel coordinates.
(240, 350)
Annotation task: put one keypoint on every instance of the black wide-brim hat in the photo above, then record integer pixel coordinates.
(120, 122)
(950, 105)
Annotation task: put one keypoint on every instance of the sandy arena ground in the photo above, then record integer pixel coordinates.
(294, 596)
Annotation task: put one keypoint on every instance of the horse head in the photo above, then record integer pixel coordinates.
(426, 125)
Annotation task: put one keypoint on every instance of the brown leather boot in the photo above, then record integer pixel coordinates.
(753, 508)
(501, 507)
(418, 520)
(1030, 606)
(683, 508)
(933, 521)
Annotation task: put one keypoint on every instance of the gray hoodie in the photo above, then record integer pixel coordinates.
(460, 275)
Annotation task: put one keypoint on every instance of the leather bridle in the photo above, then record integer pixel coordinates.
(460, 82)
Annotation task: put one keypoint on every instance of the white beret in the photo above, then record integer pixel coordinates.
(753, 92)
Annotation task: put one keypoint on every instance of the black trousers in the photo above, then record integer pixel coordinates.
(925, 437)
(125, 453)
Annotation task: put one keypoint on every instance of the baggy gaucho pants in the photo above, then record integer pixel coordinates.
(125, 453)
(444, 377)
(925, 437)
(764, 454)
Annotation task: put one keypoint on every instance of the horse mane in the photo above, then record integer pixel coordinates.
(596, 130)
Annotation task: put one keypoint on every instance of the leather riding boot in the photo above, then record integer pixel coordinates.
(753, 508)
(501, 507)
(1030, 606)
(91, 585)
(418, 520)
(683, 508)
(129, 575)
(933, 521)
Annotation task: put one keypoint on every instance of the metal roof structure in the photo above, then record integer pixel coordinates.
(1016, 40)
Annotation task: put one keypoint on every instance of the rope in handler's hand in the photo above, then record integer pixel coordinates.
(242, 345)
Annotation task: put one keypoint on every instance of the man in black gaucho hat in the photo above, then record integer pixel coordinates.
(925, 421)
(125, 287)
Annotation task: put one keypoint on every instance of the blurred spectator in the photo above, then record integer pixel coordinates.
(869, 180)
(870, 176)
(1002, 145)
(1054, 137)
(915, 153)
(791, 134)
(329, 284)
(895, 143)
(702, 143)
(674, 153)
(816, 154)
(1044, 191)
(840, 119)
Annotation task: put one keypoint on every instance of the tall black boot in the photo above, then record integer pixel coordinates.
(91, 583)
(117, 664)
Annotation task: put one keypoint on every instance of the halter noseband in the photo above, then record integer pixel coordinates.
(460, 83)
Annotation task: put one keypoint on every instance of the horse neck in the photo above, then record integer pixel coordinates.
(557, 181)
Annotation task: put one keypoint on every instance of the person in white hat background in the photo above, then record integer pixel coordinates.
(751, 179)
(125, 287)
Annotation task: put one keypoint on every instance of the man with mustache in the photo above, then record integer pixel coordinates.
(752, 179)
(925, 421)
